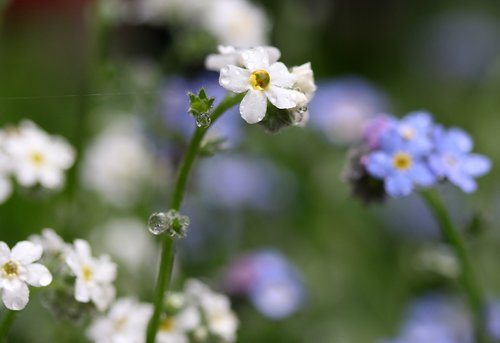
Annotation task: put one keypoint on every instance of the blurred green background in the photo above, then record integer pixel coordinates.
(358, 264)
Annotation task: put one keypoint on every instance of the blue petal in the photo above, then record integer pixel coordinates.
(398, 185)
(476, 165)
(422, 176)
(460, 139)
(379, 164)
(463, 181)
(437, 166)
(419, 119)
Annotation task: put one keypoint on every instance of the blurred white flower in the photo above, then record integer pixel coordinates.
(305, 80)
(128, 241)
(5, 169)
(231, 55)
(216, 309)
(38, 157)
(119, 164)
(261, 81)
(51, 242)
(17, 269)
(174, 329)
(94, 277)
(236, 22)
(125, 322)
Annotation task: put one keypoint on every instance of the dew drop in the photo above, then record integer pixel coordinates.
(203, 120)
(158, 223)
(172, 222)
(224, 81)
(302, 109)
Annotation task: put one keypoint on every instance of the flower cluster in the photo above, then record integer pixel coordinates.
(416, 152)
(257, 73)
(196, 314)
(33, 157)
(88, 279)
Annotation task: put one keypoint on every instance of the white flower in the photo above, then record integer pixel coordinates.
(5, 169)
(118, 164)
(174, 329)
(51, 242)
(231, 55)
(236, 22)
(94, 277)
(128, 241)
(261, 81)
(125, 322)
(17, 269)
(216, 308)
(305, 80)
(38, 157)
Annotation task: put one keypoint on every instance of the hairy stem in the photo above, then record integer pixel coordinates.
(468, 278)
(167, 254)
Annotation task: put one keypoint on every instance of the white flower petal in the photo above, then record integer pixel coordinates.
(274, 53)
(285, 98)
(280, 76)
(105, 270)
(26, 252)
(253, 106)
(17, 298)
(235, 79)
(82, 248)
(4, 252)
(256, 58)
(38, 275)
(103, 296)
(81, 291)
(5, 189)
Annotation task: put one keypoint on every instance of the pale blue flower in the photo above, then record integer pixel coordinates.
(452, 159)
(271, 283)
(400, 163)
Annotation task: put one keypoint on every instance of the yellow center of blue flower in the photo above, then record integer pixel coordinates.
(260, 79)
(407, 133)
(10, 269)
(402, 161)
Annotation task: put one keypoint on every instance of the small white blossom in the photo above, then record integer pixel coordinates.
(236, 22)
(5, 169)
(305, 80)
(38, 157)
(116, 234)
(261, 81)
(51, 242)
(118, 164)
(125, 322)
(17, 270)
(94, 276)
(217, 311)
(174, 329)
(231, 55)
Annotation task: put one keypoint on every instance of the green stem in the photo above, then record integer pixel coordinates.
(5, 324)
(469, 281)
(167, 254)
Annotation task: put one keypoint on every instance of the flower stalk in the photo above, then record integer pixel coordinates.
(5, 324)
(168, 253)
(468, 277)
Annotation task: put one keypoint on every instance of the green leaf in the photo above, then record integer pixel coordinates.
(200, 103)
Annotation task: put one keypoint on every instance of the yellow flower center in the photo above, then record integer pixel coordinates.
(87, 273)
(166, 324)
(120, 323)
(37, 158)
(10, 269)
(402, 161)
(407, 133)
(260, 79)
